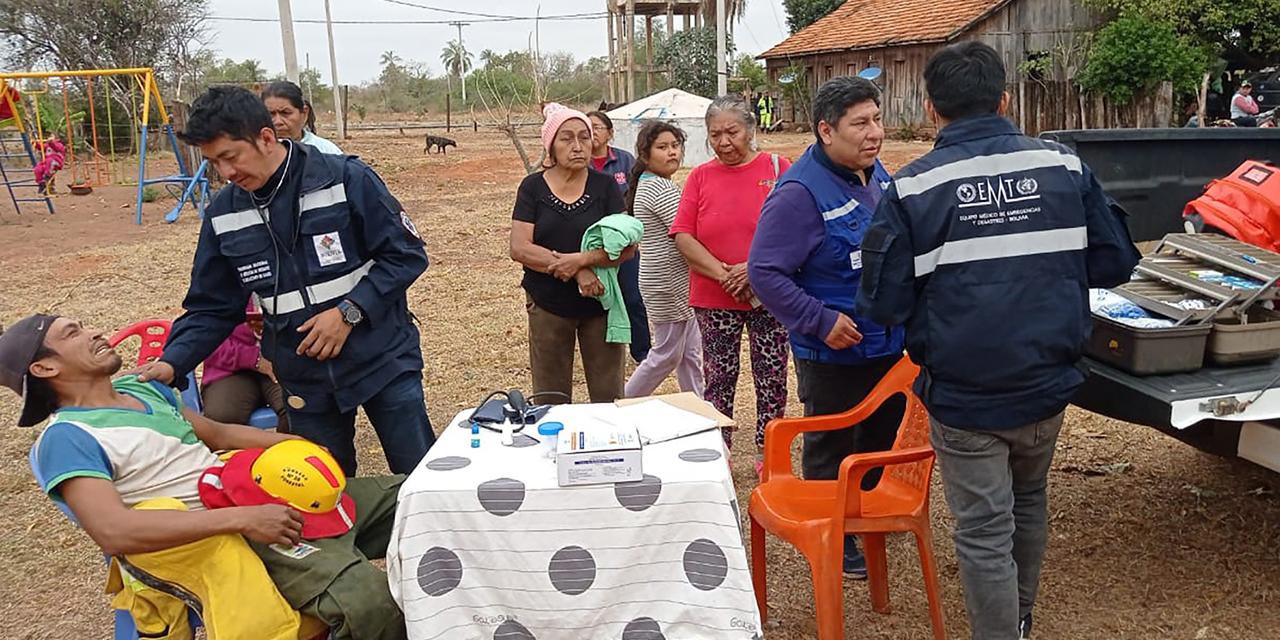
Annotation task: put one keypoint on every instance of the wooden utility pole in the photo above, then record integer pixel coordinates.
(648, 55)
(631, 50)
(286, 37)
(340, 109)
(613, 60)
(722, 73)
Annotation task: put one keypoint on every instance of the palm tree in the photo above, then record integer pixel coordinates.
(457, 61)
(732, 8)
(488, 58)
(456, 58)
(390, 59)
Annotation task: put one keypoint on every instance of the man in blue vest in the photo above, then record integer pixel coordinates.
(329, 253)
(805, 265)
(985, 249)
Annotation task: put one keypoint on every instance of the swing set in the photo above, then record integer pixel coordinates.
(84, 158)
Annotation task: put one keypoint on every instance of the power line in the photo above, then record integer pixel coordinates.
(599, 16)
(459, 12)
(773, 6)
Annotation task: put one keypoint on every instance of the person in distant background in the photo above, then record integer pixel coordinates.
(617, 164)
(238, 380)
(293, 117)
(1244, 109)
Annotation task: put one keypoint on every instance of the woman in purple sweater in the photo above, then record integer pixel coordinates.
(238, 380)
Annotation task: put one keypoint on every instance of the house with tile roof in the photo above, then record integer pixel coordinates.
(899, 36)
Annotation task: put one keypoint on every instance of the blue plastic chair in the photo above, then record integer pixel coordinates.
(125, 629)
(263, 417)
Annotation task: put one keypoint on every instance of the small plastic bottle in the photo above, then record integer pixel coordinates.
(549, 433)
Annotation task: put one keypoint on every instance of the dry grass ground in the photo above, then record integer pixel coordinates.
(1150, 539)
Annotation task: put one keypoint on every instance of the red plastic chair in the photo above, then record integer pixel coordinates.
(815, 515)
(153, 333)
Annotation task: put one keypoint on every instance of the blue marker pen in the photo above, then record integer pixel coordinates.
(1248, 258)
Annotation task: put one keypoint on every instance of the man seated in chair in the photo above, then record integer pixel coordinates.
(139, 473)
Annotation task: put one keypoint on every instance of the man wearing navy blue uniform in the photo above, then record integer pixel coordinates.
(805, 265)
(985, 249)
(328, 253)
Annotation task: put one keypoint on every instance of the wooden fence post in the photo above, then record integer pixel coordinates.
(346, 95)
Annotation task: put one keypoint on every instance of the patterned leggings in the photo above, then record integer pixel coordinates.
(721, 342)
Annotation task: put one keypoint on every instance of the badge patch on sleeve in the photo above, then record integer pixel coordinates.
(329, 249)
(408, 225)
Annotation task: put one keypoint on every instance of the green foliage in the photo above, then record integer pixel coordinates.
(797, 91)
(100, 34)
(54, 119)
(691, 55)
(1248, 30)
(228, 71)
(456, 59)
(150, 194)
(802, 13)
(1133, 54)
(747, 74)
(1037, 66)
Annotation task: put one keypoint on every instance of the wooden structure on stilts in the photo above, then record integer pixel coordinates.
(623, 65)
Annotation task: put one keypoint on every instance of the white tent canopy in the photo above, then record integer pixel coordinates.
(682, 108)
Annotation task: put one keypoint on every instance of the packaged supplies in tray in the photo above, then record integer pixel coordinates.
(1226, 280)
(1105, 303)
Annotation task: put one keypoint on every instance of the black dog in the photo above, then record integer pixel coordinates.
(440, 143)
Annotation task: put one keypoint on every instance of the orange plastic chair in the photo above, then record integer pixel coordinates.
(815, 515)
(153, 333)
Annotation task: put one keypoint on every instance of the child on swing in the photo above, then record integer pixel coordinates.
(50, 164)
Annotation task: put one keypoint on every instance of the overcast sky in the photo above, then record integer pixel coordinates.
(360, 46)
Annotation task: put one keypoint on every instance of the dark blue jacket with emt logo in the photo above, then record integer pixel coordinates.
(335, 233)
(985, 249)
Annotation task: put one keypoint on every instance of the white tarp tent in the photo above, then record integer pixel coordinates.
(684, 109)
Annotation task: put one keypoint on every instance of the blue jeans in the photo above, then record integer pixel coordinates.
(399, 416)
(629, 281)
(996, 484)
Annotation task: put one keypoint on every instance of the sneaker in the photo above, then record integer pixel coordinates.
(1024, 628)
(855, 564)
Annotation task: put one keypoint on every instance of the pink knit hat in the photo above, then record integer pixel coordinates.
(554, 116)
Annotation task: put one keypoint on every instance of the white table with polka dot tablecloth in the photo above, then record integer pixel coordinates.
(488, 546)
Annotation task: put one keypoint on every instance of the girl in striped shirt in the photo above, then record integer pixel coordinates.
(664, 274)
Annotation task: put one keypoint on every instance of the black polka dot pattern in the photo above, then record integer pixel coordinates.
(448, 463)
(643, 629)
(705, 564)
(700, 455)
(638, 496)
(439, 571)
(501, 497)
(572, 570)
(521, 441)
(512, 630)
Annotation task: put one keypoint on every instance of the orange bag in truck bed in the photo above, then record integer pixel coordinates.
(1245, 204)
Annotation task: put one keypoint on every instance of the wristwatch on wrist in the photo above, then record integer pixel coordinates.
(351, 314)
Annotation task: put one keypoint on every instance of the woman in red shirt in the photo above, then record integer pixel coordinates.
(713, 230)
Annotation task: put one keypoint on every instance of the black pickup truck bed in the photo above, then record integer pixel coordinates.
(1153, 173)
